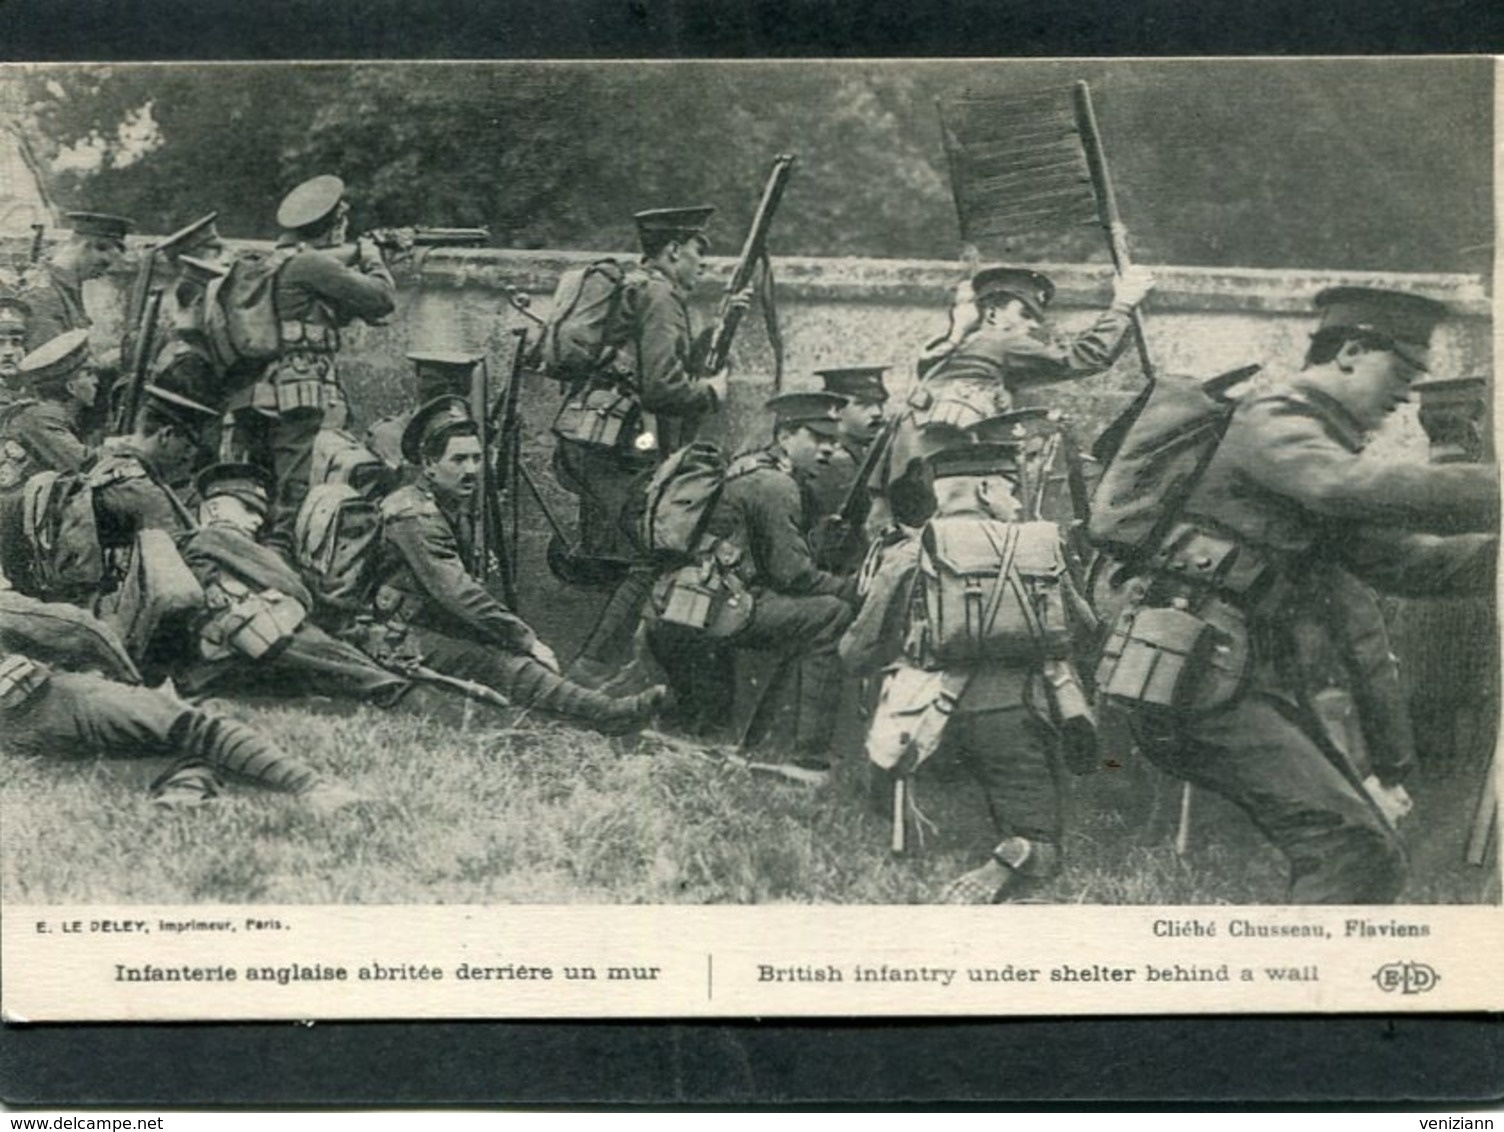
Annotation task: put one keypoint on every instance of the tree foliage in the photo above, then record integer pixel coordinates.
(1342, 164)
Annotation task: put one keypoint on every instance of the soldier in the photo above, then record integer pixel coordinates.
(438, 375)
(992, 690)
(1261, 564)
(997, 350)
(13, 315)
(424, 583)
(760, 527)
(656, 365)
(47, 711)
(39, 430)
(318, 290)
(840, 541)
(257, 629)
(56, 292)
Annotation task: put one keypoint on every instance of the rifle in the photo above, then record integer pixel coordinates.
(140, 362)
(404, 241)
(480, 380)
(503, 429)
(38, 234)
(143, 285)
(470, 689)
(754, 252)
(833, 530)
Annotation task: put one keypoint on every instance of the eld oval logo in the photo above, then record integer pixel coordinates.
(1407, 978)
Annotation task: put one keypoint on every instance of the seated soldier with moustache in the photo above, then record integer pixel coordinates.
(13, 315)
(971, 619)
(40, 428)
(256, 629)
(424, 583)
(757, 541)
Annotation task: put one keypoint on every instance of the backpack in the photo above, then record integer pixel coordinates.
(62, 535)
(680, 499)
(585, 329)
(240, 311)
(1155, 454)
(15, 459)
(989, 590)
(334, 545)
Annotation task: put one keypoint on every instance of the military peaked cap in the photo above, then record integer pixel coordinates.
(200, 271)
(200, 236)
(982, 458)
(310, 202)
(439, 373)
(100, 226)
(819, 412)
(1029, 287)
(677, 223)
(859, 383)
(1406, 321)
(440, 416)
(1015, 425)
(184, 409)
(250, 484)
(56, 359)
(14, 311)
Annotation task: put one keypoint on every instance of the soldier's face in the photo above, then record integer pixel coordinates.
(12, 350)
(1377, 383)
(1012, 317)
(99, 258)
(860, 420)
(457, 472)
(83, 387)
(230, 511)
(808, 450)
(686, 264)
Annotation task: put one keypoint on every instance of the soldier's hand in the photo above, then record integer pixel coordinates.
(965, 315)
(545, 656)
(1130, 288)
(720, 385)
(368, 255)
(741, 300)
(1394, 802)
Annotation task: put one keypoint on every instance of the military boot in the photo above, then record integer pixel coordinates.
(535, 686)
(1015, 860)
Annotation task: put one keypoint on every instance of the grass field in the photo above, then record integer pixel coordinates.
(476, 808)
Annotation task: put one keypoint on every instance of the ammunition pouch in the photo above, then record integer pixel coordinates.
(307, 337)
(20, 679)
(256, 625)
(913, 710)
(1171, 659)
(706, 596)
(1197, 560)
(601, 416)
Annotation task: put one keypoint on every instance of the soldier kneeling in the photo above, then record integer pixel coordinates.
(971, 619)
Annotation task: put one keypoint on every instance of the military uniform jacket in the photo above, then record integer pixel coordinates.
(315, 289)
(662, 345)
(828, 489)
(57, 306)
(766, 512)
(219, 550)
(1291, 486)
(422, 577)
(38, 436)
(128, 497)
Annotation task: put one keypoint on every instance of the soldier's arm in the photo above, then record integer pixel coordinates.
(52, 440)
(353, 292)
(1281, 446)
(1046, 358)
(1423, 565)
(664, 379)
(431, 552)
(780, 546)
(139, 504)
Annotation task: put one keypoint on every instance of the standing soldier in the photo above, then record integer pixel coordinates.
(655, 365)
(1251, 594)
(56, 292)
(47, 711)
(13, 315)
(257, 627)
(998, 349)
(318, 290)
(976, 683)
(759, 530)
(840, 540)
(424, 583)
